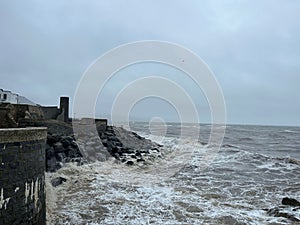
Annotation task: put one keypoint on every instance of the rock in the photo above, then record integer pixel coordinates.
(61, 156)
(109, 145)
(155, 149)
(125, 145)
(78, 160)
(74, 144)
(127, 151)
(115, 149)
(276, 213)
(123, 160)
(104, 144)
(58, 181)
(66, 142)
(56, 138)
(73, 153)
(130, 163)
(117, 156)
(119, 144)
(50, 140)
(58, 147)
(138, 136)
(290, 202)
(120, 152)
(114, 139)
(145, 151)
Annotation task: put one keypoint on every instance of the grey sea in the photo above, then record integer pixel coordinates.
(244, 183)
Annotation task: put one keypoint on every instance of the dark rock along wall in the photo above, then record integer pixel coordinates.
(22, 179)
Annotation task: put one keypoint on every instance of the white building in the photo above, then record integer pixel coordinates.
(8, 97)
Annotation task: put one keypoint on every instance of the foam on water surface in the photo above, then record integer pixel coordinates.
(237, 187)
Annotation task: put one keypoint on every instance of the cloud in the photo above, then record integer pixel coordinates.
(252, 47)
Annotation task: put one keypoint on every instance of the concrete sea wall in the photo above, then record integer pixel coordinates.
(22, 176)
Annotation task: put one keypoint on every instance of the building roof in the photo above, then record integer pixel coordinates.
(21, 99)
(25, 101)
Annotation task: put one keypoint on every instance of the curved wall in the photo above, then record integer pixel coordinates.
(22, 176)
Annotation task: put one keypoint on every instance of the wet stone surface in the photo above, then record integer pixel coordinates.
(125, 146)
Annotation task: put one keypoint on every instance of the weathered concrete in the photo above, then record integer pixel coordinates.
(101, 124)
(10, 114)
(50, 112)
(64, 107)
(11, 135)
(22, 180)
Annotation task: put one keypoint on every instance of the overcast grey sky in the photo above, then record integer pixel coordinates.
(251, 46)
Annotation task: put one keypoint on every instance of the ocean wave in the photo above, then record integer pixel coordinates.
(292, 131)
(288, 160)
(235, 187)
(246, 139)
(229, 146)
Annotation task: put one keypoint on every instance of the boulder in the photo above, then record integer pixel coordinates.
(56, 138)
(58, 147)
(155, 149)
(277, 213)
(61, 156)
(73, 152)
(66, 142)
(290, 202)
(129, 163)
(58, 181)
(50, 139)
(74, 144)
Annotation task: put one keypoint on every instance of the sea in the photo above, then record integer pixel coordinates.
(254, 168)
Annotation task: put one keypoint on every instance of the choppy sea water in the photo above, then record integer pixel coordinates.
(255, 168)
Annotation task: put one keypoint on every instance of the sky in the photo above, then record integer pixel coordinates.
(252, 48)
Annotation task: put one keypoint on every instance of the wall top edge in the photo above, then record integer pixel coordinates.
(11, 135)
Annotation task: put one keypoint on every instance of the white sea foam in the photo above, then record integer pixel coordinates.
(292, 131)
(237, 186)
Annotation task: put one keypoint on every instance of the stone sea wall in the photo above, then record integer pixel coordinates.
(22, 179)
